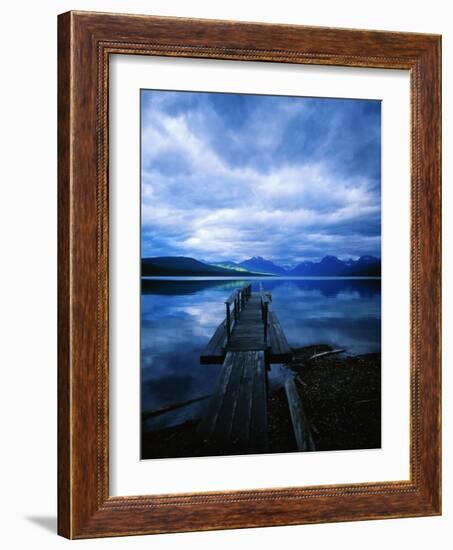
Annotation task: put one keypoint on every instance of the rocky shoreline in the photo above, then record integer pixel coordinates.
(341, 396)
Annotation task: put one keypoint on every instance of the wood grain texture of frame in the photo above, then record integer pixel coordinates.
(85, 41)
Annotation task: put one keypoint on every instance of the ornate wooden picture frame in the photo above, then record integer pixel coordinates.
(85, 507)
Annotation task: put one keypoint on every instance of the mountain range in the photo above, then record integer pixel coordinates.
(329, 266)
(181, 266)
(365, 266)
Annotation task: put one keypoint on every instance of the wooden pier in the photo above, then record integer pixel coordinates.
(249, 325)
(247, 341)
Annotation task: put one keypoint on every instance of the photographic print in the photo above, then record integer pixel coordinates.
(260, 274)
(222, 220)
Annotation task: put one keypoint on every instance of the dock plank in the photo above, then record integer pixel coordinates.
(280, 350)
(243, 414)
(214, 351)
(302, 434)
(258, 425)
(223, 431)
(248, 333)
(236, 416)
(209, 421)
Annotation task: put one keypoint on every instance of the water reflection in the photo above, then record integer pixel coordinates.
(180, 315)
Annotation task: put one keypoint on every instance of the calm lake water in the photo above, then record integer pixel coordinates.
(179, 316)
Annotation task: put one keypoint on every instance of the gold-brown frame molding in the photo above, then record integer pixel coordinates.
(85, 42)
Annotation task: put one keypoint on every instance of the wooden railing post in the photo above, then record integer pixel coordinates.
(265, 320)
(237, 300)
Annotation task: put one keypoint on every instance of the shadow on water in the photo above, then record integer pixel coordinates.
(172, 287)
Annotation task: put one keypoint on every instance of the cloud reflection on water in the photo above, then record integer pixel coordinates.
(180, 316)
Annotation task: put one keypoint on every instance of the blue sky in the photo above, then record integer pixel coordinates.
(230, 176)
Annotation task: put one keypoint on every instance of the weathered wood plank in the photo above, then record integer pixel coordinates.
(324, 353)
(208, 423)
(248, 332)
(258, 425)
(279, 348)
(302, 434)
(214, 351)
(243, 414)
(236, 417)
(173, 407)
(222, 434)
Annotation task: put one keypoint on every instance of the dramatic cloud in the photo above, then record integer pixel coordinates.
(229, 176)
